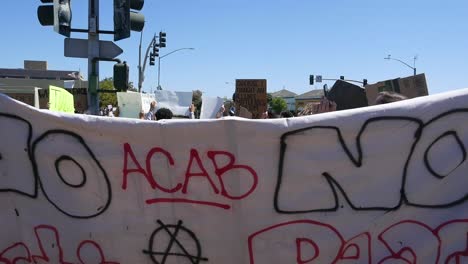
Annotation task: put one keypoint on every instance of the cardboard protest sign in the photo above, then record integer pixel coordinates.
(380, 184)
(411, 87)
(60, 100)
(80, 98)
(252, 95)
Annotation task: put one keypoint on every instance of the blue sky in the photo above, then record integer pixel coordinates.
(283, 41)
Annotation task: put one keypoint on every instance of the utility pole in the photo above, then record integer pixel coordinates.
(159, 73)
(93, 52)
(140, 77)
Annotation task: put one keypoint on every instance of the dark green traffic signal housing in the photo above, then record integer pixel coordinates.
(155, 51)
(58, 15)
(45, 14)
(126, 20)
(121, 76)
(162, 39)
(151, 62)
(311, 80)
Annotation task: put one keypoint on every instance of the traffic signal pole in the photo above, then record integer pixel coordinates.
(93, 52)
(59, 16)
(141, 69)
(140, 77)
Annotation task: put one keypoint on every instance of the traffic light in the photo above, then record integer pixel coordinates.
(126, 20)
(162, 39)
(58, 15)
(155, 51)
(151, 63)
(364, 82)
(121, 76)
(342, 77)
(311, 80)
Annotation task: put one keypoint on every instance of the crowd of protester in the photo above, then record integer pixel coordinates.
(323, 106)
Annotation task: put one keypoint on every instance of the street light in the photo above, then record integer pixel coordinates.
(159, 63)
(414, 62)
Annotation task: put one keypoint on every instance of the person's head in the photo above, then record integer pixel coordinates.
(286, 114)
(152, 105)
(389, 97)
(163, 113)
(141, 115)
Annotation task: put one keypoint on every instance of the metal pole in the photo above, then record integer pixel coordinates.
(142, 68)
(140, 77)
(93, 52)
(159, 63)
(159, 71)
(409, 66)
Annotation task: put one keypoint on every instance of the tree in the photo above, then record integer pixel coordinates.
(197, 100)
(131, 87)
(278, 104)
(107, 98)
(269, 98)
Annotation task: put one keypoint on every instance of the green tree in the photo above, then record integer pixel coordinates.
(107, 98)
(278, 104)
(131, 87)
(197, 100)
(269, 98)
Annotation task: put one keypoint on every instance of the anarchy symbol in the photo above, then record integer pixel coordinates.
(194, 259)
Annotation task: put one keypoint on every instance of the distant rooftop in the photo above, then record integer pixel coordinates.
(38, 70)
(283, 94)
(38, 74)
(314, 94)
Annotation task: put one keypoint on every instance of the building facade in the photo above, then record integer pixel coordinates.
(33, 82)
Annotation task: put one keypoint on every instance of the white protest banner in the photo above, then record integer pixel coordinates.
(131, 103)
(381, 184)
(210, 106)
(177, 102)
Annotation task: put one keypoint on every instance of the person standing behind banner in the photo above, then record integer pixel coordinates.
(192, 109)
(163, 113)
(152, 111)
(221, 111)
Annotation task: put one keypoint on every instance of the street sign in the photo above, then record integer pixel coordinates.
(318, 78)
(78, 48)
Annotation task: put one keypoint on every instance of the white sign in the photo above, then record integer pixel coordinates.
(177, 102)
(131, 103)
(318, 78)
(381, 184)
(210, 107)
